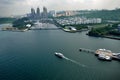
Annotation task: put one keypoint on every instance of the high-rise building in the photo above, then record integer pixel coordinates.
(38, 11)
(45, 9)
(52, 13)
(37, 14)
(32, 12)
(45, 14)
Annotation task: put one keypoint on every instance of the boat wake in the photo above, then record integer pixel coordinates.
(75, 62)
(60, 55)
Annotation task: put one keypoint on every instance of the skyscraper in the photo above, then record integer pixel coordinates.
(45, 14)
(52, 13)
(44, 9)
(38, 11)
(37, 14)
(32, 13)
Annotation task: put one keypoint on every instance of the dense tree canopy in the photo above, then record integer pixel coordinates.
(22, 22)
(106, 30)
(104, 14)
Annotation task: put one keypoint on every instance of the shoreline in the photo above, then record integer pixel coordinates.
(13, 29)
(111, 37)
(103, 36)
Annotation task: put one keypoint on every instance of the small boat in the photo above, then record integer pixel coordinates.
(104, 57)
(60, 55)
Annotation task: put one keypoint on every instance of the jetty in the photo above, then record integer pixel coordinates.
(87, 50)
(102, 54)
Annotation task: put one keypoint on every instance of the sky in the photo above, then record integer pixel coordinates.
(20, 7)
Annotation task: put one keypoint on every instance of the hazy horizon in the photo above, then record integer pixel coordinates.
(20, 7)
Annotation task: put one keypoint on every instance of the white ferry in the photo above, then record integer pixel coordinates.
(104, 54)
(60, 55)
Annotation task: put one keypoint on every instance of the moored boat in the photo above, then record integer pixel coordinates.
(104, 54)
(104, 57)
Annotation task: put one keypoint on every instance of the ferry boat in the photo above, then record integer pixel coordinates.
(59, 55)
(104, 54)
(104, 57)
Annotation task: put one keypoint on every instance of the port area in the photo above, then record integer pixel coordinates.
(102, 54)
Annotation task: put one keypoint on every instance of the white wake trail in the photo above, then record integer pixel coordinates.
(73, 61)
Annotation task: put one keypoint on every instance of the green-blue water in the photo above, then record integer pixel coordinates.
(30, 56)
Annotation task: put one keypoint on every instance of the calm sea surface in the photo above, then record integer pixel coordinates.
(30, 56)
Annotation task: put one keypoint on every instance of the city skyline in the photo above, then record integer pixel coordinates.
(20, 7)
(37, 13)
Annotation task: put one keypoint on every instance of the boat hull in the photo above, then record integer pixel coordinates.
(59, 55)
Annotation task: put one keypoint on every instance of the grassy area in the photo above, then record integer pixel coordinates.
(99, 25)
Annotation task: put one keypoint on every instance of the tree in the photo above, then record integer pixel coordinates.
(22, 22)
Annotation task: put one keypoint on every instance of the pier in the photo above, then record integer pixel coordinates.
(87, 50)
(102, 54)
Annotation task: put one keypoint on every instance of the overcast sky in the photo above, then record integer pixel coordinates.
(18, 7)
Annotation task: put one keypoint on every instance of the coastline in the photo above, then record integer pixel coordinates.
(106, 36)
(112, 37)
(13, 29)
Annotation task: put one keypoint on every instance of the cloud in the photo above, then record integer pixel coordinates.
(15, 7)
